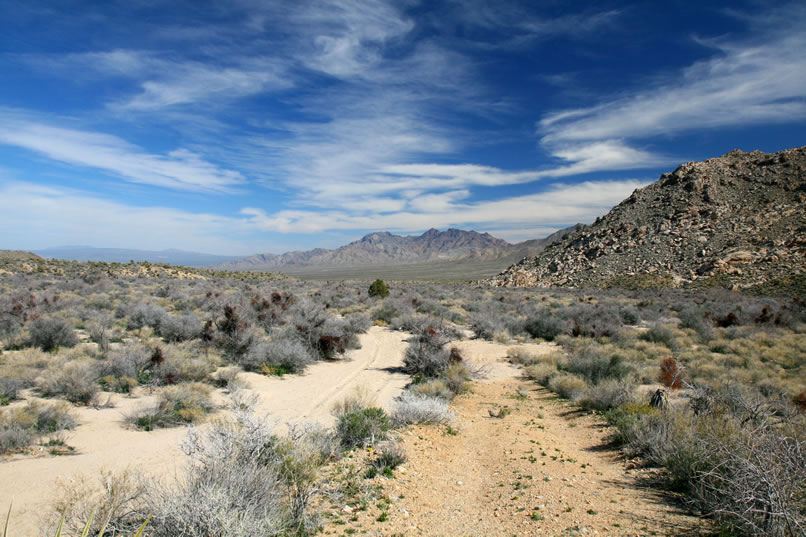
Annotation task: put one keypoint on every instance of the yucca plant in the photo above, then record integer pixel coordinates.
(86, 528)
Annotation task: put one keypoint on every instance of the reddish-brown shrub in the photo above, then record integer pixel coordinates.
(670, 373)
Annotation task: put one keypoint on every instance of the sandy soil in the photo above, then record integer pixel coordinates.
(102, 440)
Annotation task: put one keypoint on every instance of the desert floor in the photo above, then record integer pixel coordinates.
(542, 469)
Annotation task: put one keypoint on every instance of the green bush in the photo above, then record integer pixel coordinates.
(363, 427)
(544, 325)
(378, 289)
(661, 334)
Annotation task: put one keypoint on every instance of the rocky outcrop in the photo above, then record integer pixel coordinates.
(741, 217)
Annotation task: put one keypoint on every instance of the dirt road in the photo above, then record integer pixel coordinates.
(542, 468)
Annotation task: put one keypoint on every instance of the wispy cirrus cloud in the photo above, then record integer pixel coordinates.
(744, 83)
(163, 81)
(179, 169)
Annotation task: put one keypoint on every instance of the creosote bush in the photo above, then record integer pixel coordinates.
(366, 426)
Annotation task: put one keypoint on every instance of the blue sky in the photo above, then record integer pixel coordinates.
(247, 126)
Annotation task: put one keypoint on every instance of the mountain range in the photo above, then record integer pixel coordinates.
(384, 248)
(124, 255)
(738, 220)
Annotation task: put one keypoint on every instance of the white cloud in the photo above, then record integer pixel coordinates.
(185, 83)
(179, 169)
(559, 206)
(166, 82)
(743, 84)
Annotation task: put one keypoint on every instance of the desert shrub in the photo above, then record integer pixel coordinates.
(20, 425)
(233, 334)
(659, 333)
(378, 289)
(228, 377)
(608, 394)
(411, 408)
(171, 364)
(76, 381)
(49, 333)
(629, 315)
(114, 497)
(281, 355)
(591, 321)
(242, 480)
(129, 360)
(111, 383)
(144, 314)
(671, 375)
(485, 325)
(358, 323)
(334, 339)
(362, 427)
(522, 357)
(694, 318)
(389, 455)
(567, 385)
(544, 324)
(541, 373)
(180, 328)
(432, 388)
(14, 438)
(456, 377)
(594, 364)
(9, 389)
(385, 312)
(100, 330)
(176, 405)
(627, 418)
(737, 456)
(426, 357)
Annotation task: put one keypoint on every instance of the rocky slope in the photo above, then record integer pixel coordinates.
(739, 219)
(384, 248)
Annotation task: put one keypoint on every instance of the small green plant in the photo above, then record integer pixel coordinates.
(500, 413)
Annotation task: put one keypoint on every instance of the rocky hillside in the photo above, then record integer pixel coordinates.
(739, 219)
(17, 255)
(384, 248)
